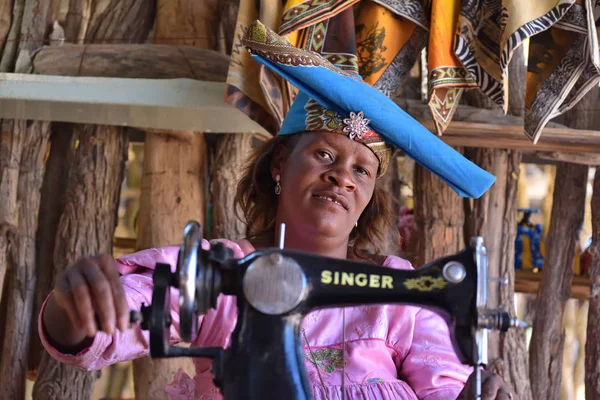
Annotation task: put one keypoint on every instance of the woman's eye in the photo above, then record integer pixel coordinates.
(362, 171)
(325, 154)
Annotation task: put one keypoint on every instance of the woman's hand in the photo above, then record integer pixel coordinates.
(91, 293)
(493, 387)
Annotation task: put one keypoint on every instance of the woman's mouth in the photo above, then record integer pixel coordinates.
(331, 199)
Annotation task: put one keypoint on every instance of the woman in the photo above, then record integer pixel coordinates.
(319, 177)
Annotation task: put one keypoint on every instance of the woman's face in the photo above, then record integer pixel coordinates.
(327, 180)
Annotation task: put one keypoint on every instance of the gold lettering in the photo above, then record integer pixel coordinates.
(361, 280)
(374, 281)
(348, 278)
(387, 282)
(329, 277)
(326, 277)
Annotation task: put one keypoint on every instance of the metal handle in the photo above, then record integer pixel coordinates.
(187, 271)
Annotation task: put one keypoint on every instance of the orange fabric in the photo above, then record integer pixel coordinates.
(380, 36)
(447, 77)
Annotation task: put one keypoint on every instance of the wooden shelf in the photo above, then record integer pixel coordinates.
(124, 243)
(529, 282)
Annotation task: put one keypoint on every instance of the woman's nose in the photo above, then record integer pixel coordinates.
(341, 178)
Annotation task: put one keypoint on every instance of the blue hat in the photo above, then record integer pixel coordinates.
(358, 110)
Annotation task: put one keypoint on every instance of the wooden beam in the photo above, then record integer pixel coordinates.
(591, 159)
(490, 128)
(496, 136)
(148, 61)
(529, 282)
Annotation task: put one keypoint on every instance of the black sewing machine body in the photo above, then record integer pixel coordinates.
(276, 288)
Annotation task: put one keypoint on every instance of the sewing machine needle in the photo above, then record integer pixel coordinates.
(281, 236)
(477, 394)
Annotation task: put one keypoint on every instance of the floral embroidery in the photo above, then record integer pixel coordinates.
(327, 360)
(432, 360)
(182, 388)
(311, 318)
(375, 380)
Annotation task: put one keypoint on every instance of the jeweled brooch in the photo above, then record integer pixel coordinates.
(357, 125)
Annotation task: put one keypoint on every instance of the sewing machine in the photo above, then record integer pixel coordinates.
(276, 288)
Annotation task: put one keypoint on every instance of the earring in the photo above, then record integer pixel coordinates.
(277, 186)
(356, 224)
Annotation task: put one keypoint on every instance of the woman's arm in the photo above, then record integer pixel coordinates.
(103, 348)
(69, 343)
(84, 321)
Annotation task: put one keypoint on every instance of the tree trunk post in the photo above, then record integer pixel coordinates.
(21, 175)
(566, 220)
(173, 191)
(95, 165)
(21, 288)
(51, 209)
(95, 168)
(229, 156)
(439, 219)
(592, 344)
(494, 217)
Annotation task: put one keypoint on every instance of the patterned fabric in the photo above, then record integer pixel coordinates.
(447, 77)
(489, 31)
(331, 37)
(563, 65)
(390, 36)
(306, 115)
(263, 42)
(391, 352)
(327, 360)
(310, 24)
(301, 14)
(251, 88)
(343, 92)
(469, 44)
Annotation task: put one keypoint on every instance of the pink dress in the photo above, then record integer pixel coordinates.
(391, 351)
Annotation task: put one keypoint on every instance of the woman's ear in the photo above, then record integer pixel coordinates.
(280, 155)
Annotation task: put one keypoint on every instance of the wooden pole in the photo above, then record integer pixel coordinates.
(78, 18)
(439, 219)
(21, 256)
(51, 209)
(11, 148)
(121, 21)
(229, 156)
(548, 338)
(567, 385)
(23, 145)
(8, 58)
(439, 215)
(546, 351)
(172, 193)
(592, 344)
(494, 217)
(173, 183)
(96, 165)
